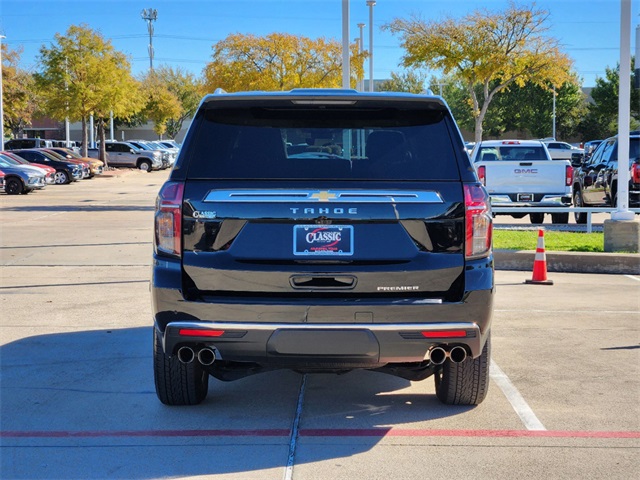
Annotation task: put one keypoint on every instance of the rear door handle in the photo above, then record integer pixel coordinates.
(323, 282)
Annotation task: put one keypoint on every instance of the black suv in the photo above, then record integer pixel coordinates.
(322, 231)
(595, 181)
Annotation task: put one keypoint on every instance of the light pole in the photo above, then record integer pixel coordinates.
(1, 104)
(150, 15)
(371, 4)
(360, 50)
(624, 114)
(553, 132)
(346, 66)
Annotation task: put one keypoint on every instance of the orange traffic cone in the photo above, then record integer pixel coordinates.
(540, 264)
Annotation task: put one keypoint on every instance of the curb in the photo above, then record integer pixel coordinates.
(570, 262)
(117, 172)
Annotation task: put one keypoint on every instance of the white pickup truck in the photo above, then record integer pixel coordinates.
(520, 173)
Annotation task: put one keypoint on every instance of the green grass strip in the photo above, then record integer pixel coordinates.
(553, 241)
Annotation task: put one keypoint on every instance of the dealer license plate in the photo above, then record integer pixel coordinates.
(332, 240)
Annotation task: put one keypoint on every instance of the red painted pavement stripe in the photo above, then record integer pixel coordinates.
(371, 432)
(375, 432)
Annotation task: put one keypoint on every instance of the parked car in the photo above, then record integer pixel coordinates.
(520, 173)
(595, 182)
(170, 143)
(86, 168)
(21, 178)
(20, 143)
(321, 262)
(48, 172)
(561, 150)
(1, 181)
(66, 170)
(72, 145)
(96, 167)
(168, 156)
(123, 154)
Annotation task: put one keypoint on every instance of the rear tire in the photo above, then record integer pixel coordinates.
(536, 218)
(177, 383)
(465, 383)
(560, 218)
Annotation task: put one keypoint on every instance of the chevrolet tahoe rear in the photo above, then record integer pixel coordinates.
(322, 231)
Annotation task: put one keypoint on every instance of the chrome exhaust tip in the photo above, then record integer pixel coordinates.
(206, 356)
(437, 355)
(458, 354)
(186, 354)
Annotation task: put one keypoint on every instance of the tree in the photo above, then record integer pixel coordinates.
(278, 61)
(84, 75)
(487, 51)
(20, 100)
(527, 109)
(187, 89)
(161, 103)
(602, 118)
(411, 82)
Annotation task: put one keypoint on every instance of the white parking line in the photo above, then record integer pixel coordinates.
(637, 279)
(598, 312)
(516, 400)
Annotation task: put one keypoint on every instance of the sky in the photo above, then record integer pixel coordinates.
(184, 32)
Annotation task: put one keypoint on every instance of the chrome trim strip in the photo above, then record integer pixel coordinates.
(320, 196)
(375, 327)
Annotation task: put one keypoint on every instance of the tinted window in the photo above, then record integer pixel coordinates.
(607, 151)
(511, 153)
(299, 143)
(30, 156)
(634, 150)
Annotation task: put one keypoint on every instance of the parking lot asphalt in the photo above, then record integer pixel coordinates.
(77, 398)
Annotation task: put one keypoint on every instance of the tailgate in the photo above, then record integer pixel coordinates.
(342, 242)
(525, 177)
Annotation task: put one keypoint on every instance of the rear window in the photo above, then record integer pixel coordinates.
(489, 154)
(322, 143)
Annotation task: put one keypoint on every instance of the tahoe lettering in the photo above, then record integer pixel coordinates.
(324, 211)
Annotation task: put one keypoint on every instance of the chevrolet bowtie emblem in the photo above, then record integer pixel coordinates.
(323, 196)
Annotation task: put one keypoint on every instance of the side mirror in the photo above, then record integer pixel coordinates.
(577, 159)
(131, 150)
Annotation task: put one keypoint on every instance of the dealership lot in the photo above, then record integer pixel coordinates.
(77, 397)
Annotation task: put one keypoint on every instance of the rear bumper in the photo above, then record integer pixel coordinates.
(306, 330)
(552, 200)
(352, 344)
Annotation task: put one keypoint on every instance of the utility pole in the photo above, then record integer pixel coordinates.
(150, 15)
(1, 106)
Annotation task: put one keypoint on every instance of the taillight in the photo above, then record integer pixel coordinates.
(568, 179)
(482, 174)
(168, 219)
(478, 222)
(635, 173)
